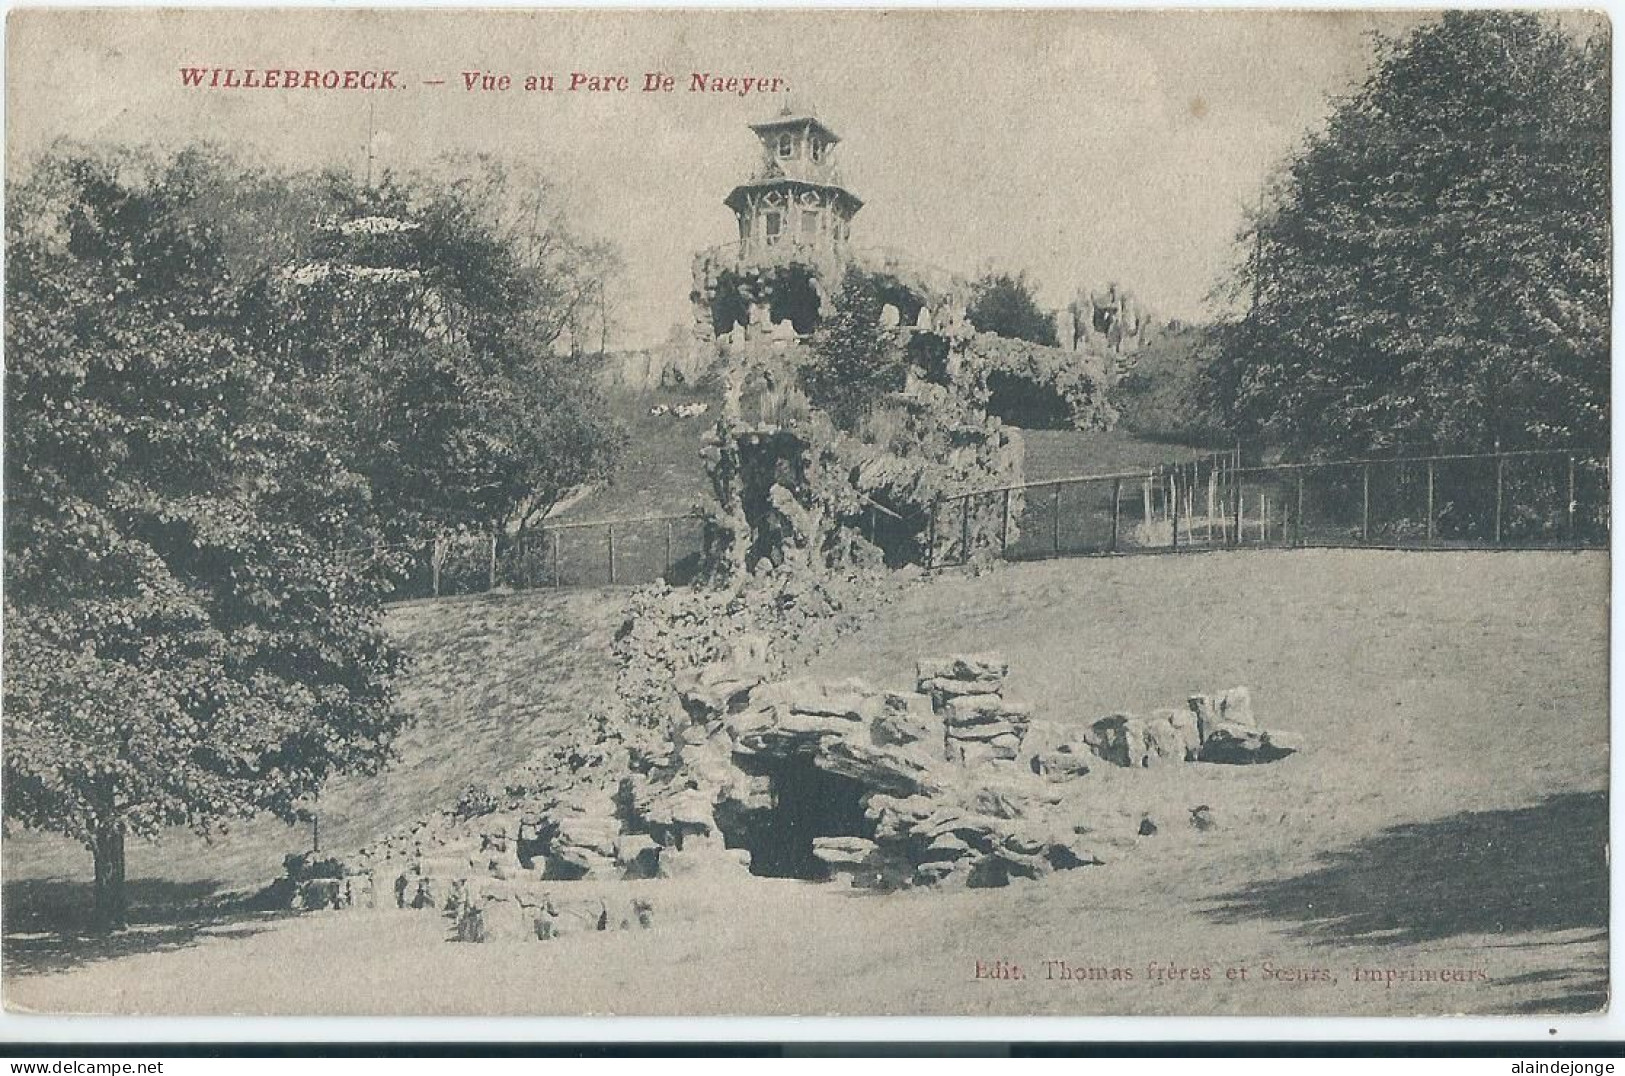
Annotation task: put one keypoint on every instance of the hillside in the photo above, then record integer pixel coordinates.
(492, 677)
(660, 473)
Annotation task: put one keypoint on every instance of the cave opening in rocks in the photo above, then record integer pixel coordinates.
(907, 302)
(730, 306)
(795, 299)
(1027, 404)
(808, 802)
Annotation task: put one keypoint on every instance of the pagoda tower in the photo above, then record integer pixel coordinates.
(796, 198)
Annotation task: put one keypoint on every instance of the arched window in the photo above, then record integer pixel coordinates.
(817, 150)
(787, 145)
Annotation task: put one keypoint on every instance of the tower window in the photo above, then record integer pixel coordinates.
(817, 150)
(787, 145)
(772, 223)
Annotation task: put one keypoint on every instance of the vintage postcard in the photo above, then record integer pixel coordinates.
(803, 512)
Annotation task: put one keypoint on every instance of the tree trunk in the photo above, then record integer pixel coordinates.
(112, 906)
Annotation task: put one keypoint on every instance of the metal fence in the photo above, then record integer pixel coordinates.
(1515, 499)
(590, 553)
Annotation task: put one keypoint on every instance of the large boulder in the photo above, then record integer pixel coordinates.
(1241, 745)
(859, 862)
(1176, 733)
(1233, 707)
(965, 710)
(1121, 740)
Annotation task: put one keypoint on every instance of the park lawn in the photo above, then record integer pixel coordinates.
(1447, 814)
(660, 472)
(1053, 454)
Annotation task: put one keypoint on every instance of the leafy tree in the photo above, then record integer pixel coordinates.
(1164, 395)
(187, 640)
(438, 320)
(853, 362)
(1004, 305)
(1435, 271)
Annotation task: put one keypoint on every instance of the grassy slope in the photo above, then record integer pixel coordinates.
(492, 677)
(1448, 811)
(660, 473)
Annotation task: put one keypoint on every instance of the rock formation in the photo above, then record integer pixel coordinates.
(950, 783)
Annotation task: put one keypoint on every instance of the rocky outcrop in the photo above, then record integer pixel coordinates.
(951, 784)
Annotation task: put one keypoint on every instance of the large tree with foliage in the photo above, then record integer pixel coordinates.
(439, 320)
(1435, 269)
(1004, 304)
(189, 637)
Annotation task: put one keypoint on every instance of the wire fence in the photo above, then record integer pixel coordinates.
(590, 553)
(1515, 499)
(1538, 499)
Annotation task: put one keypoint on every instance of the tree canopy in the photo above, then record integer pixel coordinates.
(1434, 271)
(227, 389)
(1004, 304)
(439, 322)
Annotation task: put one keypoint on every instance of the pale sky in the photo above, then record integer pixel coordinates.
(1081, 146)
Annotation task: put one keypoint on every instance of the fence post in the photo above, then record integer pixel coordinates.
(1574, 535)
(1173, 510)
(1499, 461)
(492, 565)
(964, 529)
(1235, 481)
(931, 534)
(1431, 465)
(1004, 525)
(667, 575)
(611, 529)
(1297, 520)
(557, 581)
(1117, 509)
(1055, 500)
(1365, 503)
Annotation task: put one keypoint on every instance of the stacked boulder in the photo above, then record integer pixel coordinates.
(967, 693)
(573, 837)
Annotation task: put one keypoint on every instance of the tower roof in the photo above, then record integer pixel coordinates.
(794, 119)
